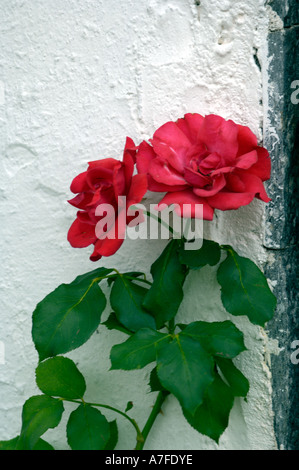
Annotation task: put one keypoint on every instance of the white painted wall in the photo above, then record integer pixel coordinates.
(76, 79)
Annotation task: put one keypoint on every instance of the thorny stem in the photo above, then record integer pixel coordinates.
(158, 219)
(161, 222)
(171, 326)
(140, 279)
(151, 419)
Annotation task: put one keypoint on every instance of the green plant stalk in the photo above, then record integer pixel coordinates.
(158, 219)
(151, 419)
(171, 326)
(129, 277)
(98, 279)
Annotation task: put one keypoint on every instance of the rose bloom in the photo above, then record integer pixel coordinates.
(105, 184)
(207, 161)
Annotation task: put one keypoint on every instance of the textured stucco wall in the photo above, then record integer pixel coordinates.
(76, 79)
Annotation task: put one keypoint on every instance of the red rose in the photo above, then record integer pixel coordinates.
(105, 183)
(205, 160)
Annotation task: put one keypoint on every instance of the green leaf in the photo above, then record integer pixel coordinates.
(129, 406)
(40, 413)
(69, 315)
(112, 323)
(126, 300)
(244, 289)
(12, 445)
(186, 370)
(43, 445)
(154, 382)
(209, 253)
(166, 293)
(237, 381)
(218, 338)
(212, 417)
(87, 429)
(59, 377)
(99, 274)
(111, 443)
(138, 351)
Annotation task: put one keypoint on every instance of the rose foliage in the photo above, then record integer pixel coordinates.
(196, 161)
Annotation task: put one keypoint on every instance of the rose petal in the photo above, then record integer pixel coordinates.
(97, 175)
(224, 170)
(220, 136)
(210, 163)
(196, 179)
(128, 169)
(79, 183)
(175, 158)
(262, 168)
(107, 163)
(103, 195)
(190, 125)
(218, 183)
(246, 139)
(172, 144)
(115, 237)
(225, 200)
(144, 156)
(80, 234)
(163, 188)
(106, 247)
(172, 135)
(81, 200)
(164, 173)
(130, 149)
(187, 198)
(137, 190)
(253, 184)
(95, 256)
(183, 126)
(247, 160)
(119, 180)
(83, 217)
(234, 184)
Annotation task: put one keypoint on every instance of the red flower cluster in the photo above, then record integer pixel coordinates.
(196, 160)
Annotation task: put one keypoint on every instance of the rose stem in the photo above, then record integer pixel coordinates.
(151, 419)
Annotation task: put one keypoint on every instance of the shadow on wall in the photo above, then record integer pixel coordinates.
(292, 229)
(284, 225)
